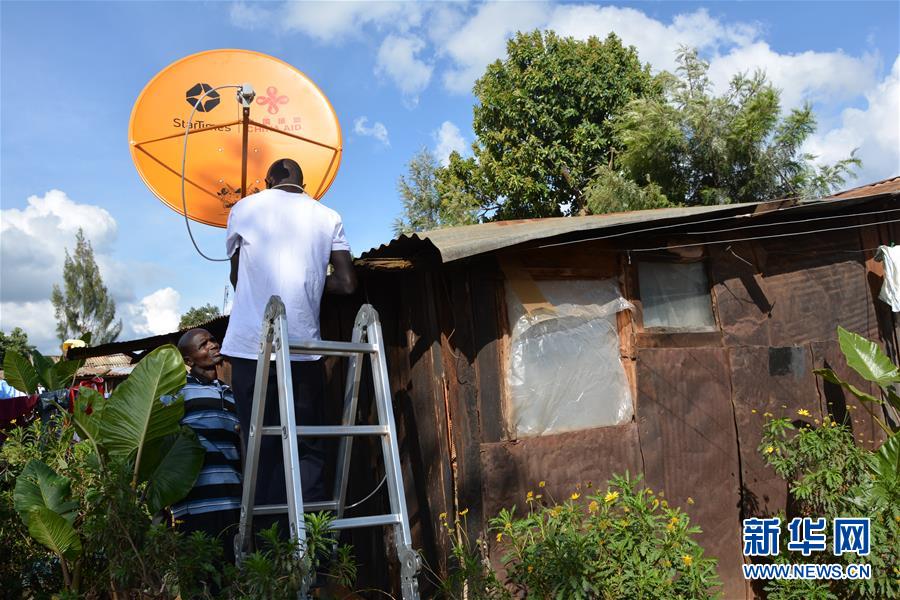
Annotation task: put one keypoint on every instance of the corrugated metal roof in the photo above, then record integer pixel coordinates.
(455, 243)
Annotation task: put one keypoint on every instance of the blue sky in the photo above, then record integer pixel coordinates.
(399, 76)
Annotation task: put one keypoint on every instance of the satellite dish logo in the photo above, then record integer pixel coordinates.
(209, 102)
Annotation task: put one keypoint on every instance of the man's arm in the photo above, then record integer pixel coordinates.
(343, 278)
(235, 258)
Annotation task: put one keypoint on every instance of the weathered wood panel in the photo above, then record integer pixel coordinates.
(843, 405)
(768, 381)
(689, 446)
(511, 469)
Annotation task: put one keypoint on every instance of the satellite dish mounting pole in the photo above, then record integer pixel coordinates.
(245, 97)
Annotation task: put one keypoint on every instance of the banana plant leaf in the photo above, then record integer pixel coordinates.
(170, 466)
(832, 377)
(39, 486)
(88, 412)
(134, 415)
(44, 368)
(54, 532)
(20, 373)
(866, 358)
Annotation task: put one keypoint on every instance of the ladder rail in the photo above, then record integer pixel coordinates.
(254, 436)
(367, 339)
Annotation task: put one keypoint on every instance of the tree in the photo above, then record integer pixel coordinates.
(544, 122)
(426, 203)
(701, 149)
(86, 306)
(199, 315)
(16, 340)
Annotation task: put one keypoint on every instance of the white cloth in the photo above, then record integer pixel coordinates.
(285, 240)
(890, 290)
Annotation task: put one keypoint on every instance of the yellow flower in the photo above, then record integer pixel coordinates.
(464, 512)
(539, 496)
(665, 504)
(575, 496)
(753, 410)
(768, 414)
(611, 497)
(687, 559)
(661, 494)
(655, 503)
(529, 496)
(626, 510)
(542, 484)
(530, 568)
(499, 536)
(592, 507)
(770, 449)
(803, 412)
(690, 500)
(670, 527)
(442, 516)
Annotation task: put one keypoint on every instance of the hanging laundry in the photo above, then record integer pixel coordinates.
(890, 290)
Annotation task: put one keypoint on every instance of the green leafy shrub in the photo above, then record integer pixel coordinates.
(829, 476)
(626, 542)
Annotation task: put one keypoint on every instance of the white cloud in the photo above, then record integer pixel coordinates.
(333, 22)
(34, 241)
(875, 130)
(377, 130)
(823, 77)
(249, 16)
(448, 139)
(397, 59)
(36, 319)
(156, 313)
(482, 39)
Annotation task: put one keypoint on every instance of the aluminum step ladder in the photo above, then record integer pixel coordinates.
(367, 339)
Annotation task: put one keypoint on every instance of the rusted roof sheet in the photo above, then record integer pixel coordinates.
(886, 186)
(455, 243)
(111, 365)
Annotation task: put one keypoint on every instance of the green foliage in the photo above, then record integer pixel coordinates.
(426, 203)
(611, 191)
(702, 149)
(543, 122)
(88, 512)
(84, 305)
(16, 340)
(625, 542)
(198, 315)
(26, 376)
(872, 364)
(829, 476)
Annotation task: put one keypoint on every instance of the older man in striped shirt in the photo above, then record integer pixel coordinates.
(214, 504)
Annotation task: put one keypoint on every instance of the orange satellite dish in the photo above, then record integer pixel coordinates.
(230, 143)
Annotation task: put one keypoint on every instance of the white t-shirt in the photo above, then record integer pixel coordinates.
(286, 240)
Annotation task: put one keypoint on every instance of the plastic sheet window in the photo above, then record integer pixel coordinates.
(565, 372)
(675, 296)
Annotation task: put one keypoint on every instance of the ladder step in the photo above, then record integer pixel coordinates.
(281, 509)
(345, 523)
(372, 521)
(333, 348)
(331, 430)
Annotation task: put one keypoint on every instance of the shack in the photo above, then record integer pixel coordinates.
(568, 349)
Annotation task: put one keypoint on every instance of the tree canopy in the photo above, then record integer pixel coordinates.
(697, 148)
(198, 315)
(544, 121)
(16, 340)
(84, 305)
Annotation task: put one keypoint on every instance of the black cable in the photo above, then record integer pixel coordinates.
(187, 132)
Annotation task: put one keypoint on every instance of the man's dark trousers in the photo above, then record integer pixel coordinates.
(309, 397)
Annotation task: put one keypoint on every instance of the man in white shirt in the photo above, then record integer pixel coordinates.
(281, 242)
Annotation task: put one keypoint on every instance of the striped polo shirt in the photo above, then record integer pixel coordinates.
(209, 411)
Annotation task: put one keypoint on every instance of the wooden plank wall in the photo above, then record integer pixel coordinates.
(699, 398)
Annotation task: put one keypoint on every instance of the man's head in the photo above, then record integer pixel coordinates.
(200, 351)
(284, 171)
